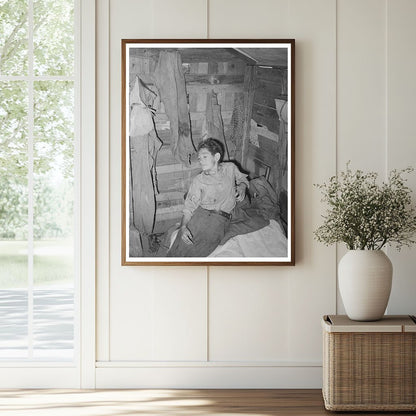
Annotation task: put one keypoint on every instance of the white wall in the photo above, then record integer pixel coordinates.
(254, 326)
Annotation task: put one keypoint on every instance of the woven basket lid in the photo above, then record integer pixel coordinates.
(389, 323)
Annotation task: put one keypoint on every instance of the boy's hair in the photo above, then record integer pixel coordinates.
(213, 146)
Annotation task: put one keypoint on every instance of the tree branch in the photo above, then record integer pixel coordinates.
(5, 53)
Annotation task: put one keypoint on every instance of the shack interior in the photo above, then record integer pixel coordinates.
(238, 96)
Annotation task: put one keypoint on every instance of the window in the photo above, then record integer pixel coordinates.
(38, 185)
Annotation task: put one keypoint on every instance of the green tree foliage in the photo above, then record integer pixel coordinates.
(13, 37)
(54, 127)
(13, 209)
(13, 129)
(53, 209)
(53, 118)
(13, 159)
(53, 37)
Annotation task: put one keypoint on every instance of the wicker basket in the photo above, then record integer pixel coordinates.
(369, 366)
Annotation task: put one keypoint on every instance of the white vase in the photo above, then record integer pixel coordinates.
(364, 278)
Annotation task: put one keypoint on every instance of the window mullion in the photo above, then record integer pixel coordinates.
(30, 178)
(38, 78)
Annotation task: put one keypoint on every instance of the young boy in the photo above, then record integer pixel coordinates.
(209, 202)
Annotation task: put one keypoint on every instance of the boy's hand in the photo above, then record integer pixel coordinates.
(240, 192)
(186, 235)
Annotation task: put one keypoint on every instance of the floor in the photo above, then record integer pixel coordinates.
(165, 402)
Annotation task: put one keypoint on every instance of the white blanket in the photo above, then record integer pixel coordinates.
(266, 242)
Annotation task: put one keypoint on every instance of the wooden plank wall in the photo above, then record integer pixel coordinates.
(264, 142)
(226, 80)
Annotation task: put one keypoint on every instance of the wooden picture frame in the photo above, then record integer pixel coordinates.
(177, 94)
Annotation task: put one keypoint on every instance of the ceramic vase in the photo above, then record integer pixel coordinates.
(364, 278)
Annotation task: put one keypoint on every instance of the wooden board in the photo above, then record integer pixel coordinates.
(267, 93)
(266, 153)
(176, 181)
(218, 88)
(266, 116)
(271, 74)
(214, 79)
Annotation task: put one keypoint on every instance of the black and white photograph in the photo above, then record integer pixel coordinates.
(208, 152)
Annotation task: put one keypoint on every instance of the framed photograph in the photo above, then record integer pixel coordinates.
(208, 134)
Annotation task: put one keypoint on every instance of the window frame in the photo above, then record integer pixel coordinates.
(81, 371)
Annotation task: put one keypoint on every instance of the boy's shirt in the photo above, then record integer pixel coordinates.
(215, 192)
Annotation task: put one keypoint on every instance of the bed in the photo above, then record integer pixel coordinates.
(269, 241)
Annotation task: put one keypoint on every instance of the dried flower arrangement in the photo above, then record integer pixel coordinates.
(366, 215)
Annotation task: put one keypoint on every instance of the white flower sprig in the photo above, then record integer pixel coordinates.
(365, 215)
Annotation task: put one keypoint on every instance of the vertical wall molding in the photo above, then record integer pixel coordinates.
(207, 312)
(401, 133)
(207, 19)
(387, 70)
(336, 146)
(207, 267)
(88, 188)
(103, 179)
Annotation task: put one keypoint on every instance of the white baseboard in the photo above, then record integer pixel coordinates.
(39, 378)
(169, 375)
(209, 377)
